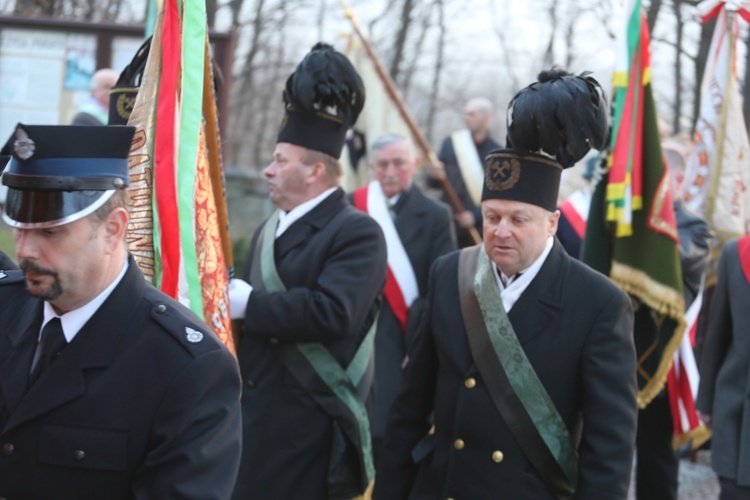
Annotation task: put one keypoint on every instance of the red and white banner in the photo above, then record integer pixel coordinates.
(682, 385)
(717, 174)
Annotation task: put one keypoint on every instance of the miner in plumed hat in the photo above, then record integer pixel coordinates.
(525, 356)
(309, 301)
(108, 388)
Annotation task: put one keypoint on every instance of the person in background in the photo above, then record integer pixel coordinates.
(317, 268)
(725, 384)
(108, 388)
(462, 163)
(657, 463)
(417, 231)
(95, 111)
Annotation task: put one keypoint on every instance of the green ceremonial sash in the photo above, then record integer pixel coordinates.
(346, 385)
(514, 386)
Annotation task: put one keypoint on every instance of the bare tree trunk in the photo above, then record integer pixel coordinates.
(403, 31)
(322, 19)
(411, 69)
(677, 103)
(504, 50)
(549, 53)
(652, 13)
(244, 87)
(438, 70)
(211, 7)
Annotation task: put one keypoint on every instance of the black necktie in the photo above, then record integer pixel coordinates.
(52, 343)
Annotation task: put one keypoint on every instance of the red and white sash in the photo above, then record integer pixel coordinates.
(401, 283)
(576, 210)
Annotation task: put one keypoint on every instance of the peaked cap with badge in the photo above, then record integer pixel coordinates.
(552, 124)
(58, 174)
(323, 98)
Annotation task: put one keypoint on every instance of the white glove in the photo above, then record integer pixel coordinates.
(239, 292)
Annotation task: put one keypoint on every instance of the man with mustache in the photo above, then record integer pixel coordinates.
(417, 231)
(108, 388)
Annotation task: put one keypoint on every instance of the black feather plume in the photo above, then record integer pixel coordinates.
(326, 82)
(561, 115)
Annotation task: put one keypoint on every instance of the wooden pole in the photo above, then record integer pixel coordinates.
(416, 132)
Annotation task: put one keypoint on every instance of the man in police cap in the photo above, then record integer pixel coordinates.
(525, 355)
(317, 269)
(108, 388)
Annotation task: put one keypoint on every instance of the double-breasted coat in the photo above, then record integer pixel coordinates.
(333, 264)
(724, 390)
(575, 327)
(143, 402)
(425, 228)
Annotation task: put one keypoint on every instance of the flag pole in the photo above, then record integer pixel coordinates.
(416, 132)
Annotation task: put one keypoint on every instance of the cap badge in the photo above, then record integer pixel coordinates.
(502, 173)
(193, 336)
(23, 146)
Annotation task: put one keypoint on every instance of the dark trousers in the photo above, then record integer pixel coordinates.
(730, 490)
(656, 461)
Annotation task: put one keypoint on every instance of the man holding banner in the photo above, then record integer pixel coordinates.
(462, 156)
(417, 231)
(317, 269)
(525, 356)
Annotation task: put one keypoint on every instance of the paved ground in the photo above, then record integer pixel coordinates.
(697, 480)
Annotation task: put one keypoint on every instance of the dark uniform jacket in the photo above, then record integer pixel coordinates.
(130, 409)
(6, 263)
(725, 378)
(455, 178)
(426, 231)
(333, 264)
(575, 327)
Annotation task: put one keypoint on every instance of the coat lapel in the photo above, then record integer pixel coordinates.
(93, 347)
(303, 229)
(15, 360)
(540, 303)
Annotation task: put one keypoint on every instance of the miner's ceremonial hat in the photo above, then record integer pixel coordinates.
(552, 124)
(61, 173)
(323, 98)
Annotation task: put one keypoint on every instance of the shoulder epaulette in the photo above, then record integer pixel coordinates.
(182, 324)
(10, 277)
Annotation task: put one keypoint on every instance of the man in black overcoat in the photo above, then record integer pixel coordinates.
(317, 270)
(108, 388)
(417, 230)
(525, 357)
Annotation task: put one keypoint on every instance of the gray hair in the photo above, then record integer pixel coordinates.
(386, 140)
(482, 104)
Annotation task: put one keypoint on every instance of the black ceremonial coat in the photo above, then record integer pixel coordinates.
(130, 409)
(575, 327)
(333, 264)
(426, 231)
(5, 262)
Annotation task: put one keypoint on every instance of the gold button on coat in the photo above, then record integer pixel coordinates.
(79, 455)
(459, 444)
(470, 383)
(497, 456)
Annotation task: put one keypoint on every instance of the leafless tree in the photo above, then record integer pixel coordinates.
(438, 69)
